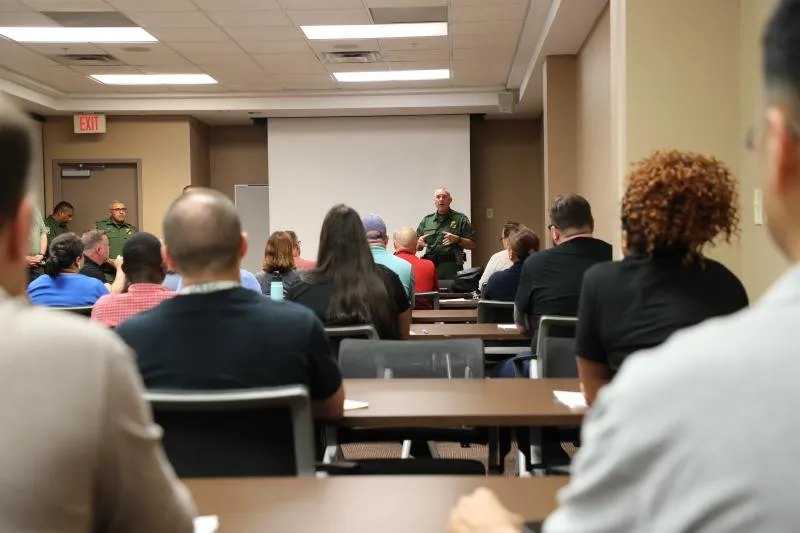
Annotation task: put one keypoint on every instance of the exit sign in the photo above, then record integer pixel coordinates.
(89, 123)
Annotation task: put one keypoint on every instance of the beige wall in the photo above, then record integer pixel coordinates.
(594, 129)
(198, 143)
(507, 168)
(237, 155)
(560, 128)
(762, 263)
(161, 143)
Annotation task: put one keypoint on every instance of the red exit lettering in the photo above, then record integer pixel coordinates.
(89, 123)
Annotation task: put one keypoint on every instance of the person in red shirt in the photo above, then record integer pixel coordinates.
(425, 280)
(144, 269)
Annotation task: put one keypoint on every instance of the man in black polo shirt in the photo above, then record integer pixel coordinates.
(96, 264)
(216, 335)
(551, 280)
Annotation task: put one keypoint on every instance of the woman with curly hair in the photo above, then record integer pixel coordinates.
(675, 205)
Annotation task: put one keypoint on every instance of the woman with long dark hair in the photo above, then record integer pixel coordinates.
(347, 288)
(62, 285)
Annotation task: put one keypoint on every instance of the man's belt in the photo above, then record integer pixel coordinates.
(439, 259)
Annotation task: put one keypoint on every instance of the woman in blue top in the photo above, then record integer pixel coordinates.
(502, 285)
(62, 285)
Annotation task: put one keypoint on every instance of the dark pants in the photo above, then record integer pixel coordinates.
(447, 269)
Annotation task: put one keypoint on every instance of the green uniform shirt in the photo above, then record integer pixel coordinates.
(436, 225)
(54, 229)
(117, 234)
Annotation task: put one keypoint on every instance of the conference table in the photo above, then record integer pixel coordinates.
(490, 403)
(450, 316)
(467, 331)
(356, 504)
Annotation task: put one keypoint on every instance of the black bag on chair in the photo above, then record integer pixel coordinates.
(467, 280)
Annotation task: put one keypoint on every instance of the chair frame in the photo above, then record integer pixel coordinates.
(492, 304)
(293, 396)
(367, 331)
(545, 323)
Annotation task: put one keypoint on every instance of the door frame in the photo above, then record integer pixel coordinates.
(56, 182)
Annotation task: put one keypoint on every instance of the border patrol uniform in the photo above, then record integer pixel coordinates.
(54, 228)
(448, 259)
(117, 234)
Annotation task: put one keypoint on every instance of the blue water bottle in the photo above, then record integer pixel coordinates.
(276, 287)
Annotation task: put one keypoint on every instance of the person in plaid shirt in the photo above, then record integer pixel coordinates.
(144, 269)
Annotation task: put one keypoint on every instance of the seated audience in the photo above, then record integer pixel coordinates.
(425, 279)
(500, 260)
(62, 285)
(502, 286)
(299, 262)
(676, 204)
(144, 269)
(96, 261)
(550, 282)
(217, 335)
(278, 263)
(377, 238)
(347, 288)
(174, 281)
(81, 452)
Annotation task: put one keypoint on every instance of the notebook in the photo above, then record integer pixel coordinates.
(206, 524)
(350, 405)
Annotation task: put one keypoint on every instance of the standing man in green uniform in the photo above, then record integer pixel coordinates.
(446, 233)
(57, 223)
(115, 227)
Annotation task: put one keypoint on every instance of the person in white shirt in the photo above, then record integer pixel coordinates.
(697, 435)
(500, 260)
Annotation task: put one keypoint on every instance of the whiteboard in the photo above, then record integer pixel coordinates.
(389, 166)
(252, 204)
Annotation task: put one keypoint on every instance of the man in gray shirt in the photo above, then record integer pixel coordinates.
(698, 434)
(80, 450)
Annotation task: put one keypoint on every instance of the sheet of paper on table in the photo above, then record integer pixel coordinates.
(573, 400)
(206, 524)
(507, 326)
(350, 405)
(457, 299)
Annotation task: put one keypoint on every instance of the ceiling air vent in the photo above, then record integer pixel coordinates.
(352, 57)
(87, 60)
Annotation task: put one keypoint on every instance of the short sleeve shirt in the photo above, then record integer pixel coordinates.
(117, 234)
(637, 303)
(54, 229)
(92, 269)
(436, 225)
(66, 290)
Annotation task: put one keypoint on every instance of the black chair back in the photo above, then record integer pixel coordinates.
(495, 312)
(371, 359)
(85, 310)
(241, 433)
(428, 297)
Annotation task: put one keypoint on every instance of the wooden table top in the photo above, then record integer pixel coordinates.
(460, 402)
(356, 504)
(423, 332)
(458, 304)
(427, 316)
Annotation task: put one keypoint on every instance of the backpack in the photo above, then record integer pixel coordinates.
(467, 280)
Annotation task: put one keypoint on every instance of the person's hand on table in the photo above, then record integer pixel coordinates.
(482, 512)
(450, 238)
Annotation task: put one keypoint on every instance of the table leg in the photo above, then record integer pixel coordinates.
(495, 461)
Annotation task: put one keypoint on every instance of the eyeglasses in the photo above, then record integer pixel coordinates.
(120, 209)
(551, 226)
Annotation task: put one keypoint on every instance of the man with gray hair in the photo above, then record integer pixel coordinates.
(444, 235)
(80, 450)
(96, 261)
(218, 335)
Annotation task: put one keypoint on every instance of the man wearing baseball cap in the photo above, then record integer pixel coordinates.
(375, 229)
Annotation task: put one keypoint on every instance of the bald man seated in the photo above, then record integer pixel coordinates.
(215, 334)
(425, 279)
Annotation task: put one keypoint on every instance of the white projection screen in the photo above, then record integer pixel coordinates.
(384, 165)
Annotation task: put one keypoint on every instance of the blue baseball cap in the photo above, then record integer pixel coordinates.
(374, 226)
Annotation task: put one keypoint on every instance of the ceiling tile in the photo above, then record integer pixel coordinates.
(67, 79)
(306, 81)
(249, 19)
(419, 65)
(220, 61)
(405, 3)
(363, 45)
(186, 68)
(255, 73)
(330, 17)
(25, 18)
(236, 5)
(468, 54)
(416, 55)
(267, 85)
(106, 70)
(189, 35)
(158, 19)
(427, 43)
(486, 28)
(484, 41)
(290, 63)
(272, 33)
(461, 3)
(12, 5)
(164, 6)
(273, 47)
(486, 13)
(13, 54)
(316, 4)
(64, 49)
(72, 5)
(210, 48)
(357, 67)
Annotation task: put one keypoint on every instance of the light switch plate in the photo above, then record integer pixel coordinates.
(489, 212)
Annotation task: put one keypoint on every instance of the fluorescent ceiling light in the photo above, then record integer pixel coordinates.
(56, 34)
(375, 31)
(393, 75)
(154, 79)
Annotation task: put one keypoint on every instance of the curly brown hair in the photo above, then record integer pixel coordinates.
(678, 202)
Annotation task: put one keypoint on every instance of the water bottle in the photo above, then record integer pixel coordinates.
(276, 287)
